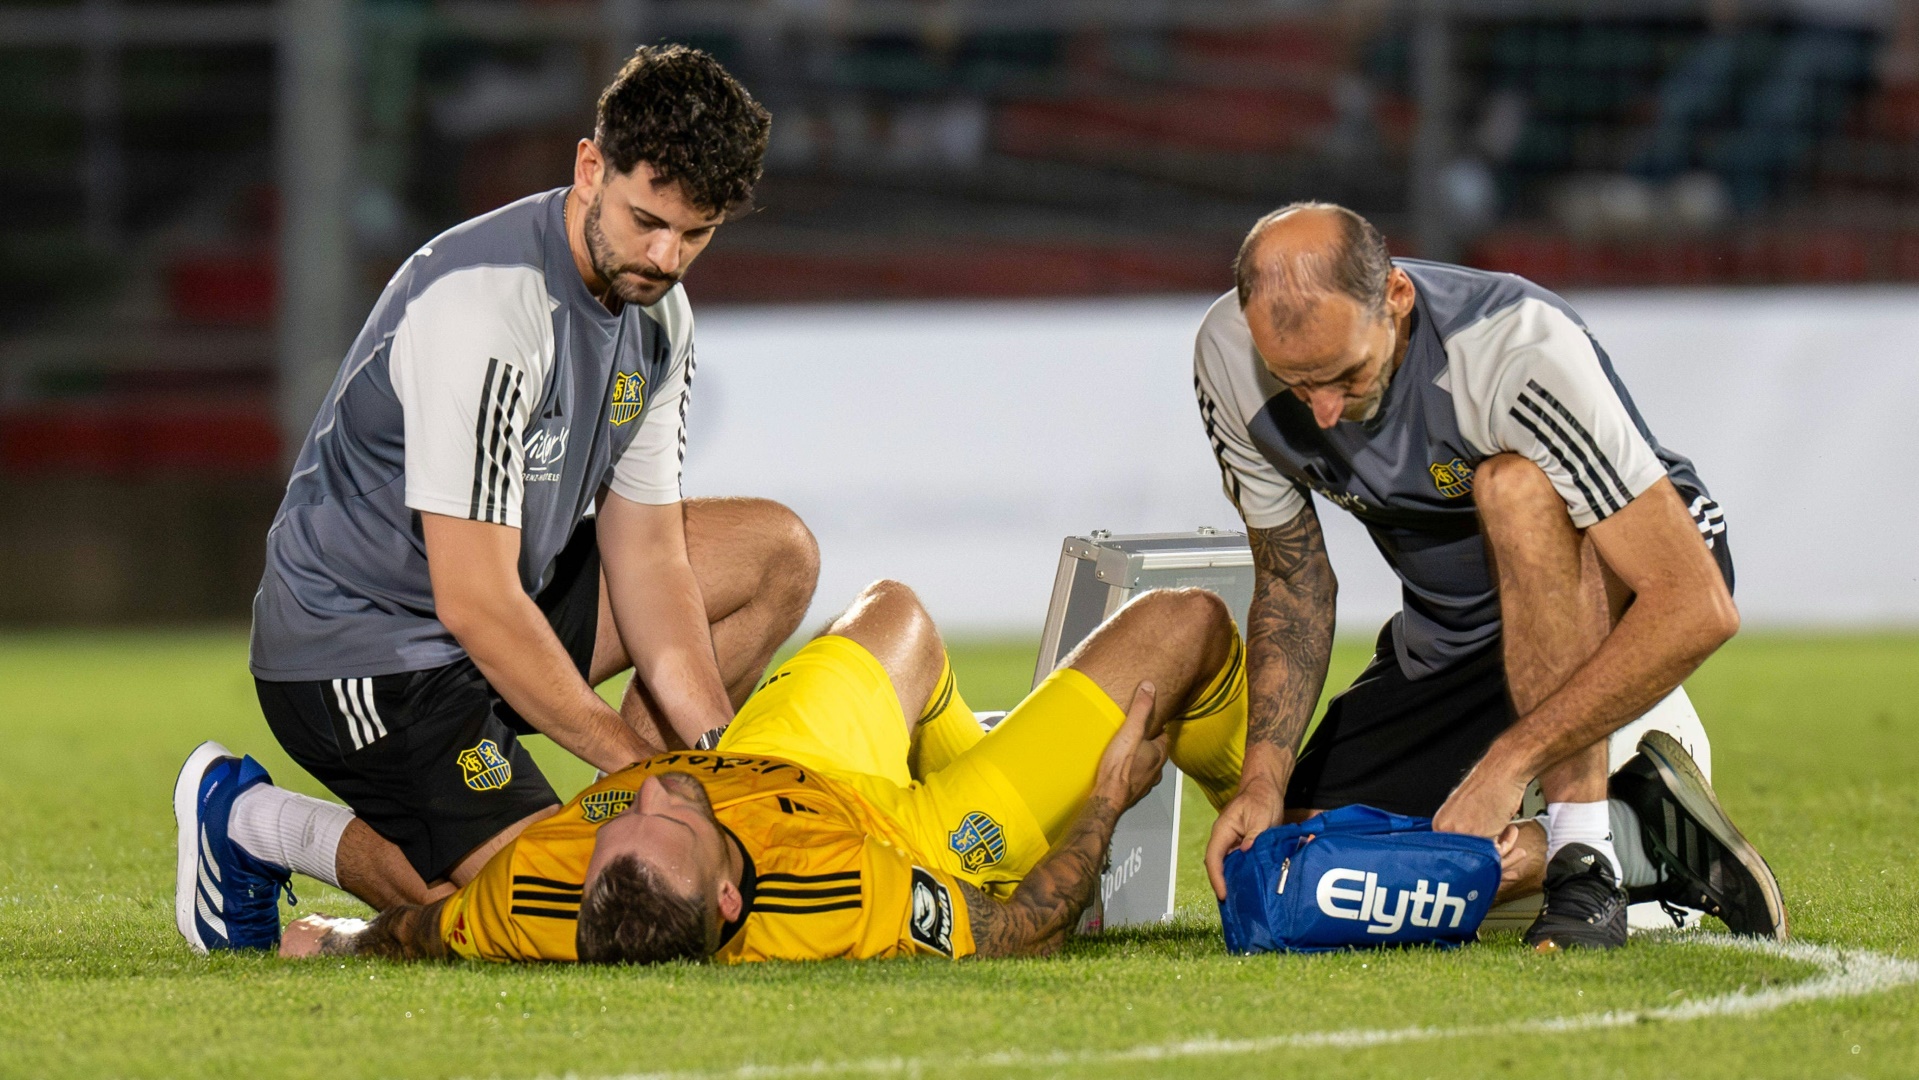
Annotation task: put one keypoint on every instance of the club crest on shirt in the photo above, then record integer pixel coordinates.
(483, 767)
(979, 842)
(1453, 478)
(629, 397)
(602, 805)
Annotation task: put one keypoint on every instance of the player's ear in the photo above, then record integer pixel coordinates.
(731, 902)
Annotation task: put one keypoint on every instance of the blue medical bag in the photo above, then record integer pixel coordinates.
(1357, 877)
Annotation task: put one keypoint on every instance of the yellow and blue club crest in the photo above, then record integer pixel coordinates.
(629, 397)
(1453, 478)
(484, 768)
(979, 842)
(604, 805)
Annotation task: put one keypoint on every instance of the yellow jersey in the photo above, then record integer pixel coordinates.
(827, 874)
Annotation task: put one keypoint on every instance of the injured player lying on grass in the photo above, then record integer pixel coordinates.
(826, 824)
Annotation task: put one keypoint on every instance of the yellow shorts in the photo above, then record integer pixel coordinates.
(991, 815)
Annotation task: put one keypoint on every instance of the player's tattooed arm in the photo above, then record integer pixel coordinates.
(1289, 630)
(1047, 905)
(406, 932)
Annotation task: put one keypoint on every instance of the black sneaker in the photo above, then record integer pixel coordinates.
(1585, 907)
(1705, 864)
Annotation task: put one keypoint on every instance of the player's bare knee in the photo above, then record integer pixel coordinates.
(887, 607)
(1212, 624)
(1195, 622)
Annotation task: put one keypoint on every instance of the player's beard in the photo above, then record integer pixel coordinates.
(641, 284)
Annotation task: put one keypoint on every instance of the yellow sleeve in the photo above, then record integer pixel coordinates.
(912, 909)
(476, 923)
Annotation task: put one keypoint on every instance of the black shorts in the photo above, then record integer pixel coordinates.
(1403, 744)
(432, 759)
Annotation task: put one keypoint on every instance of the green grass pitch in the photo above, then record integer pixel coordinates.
(1816, 747)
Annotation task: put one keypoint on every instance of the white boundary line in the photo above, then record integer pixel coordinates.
(1842, 973)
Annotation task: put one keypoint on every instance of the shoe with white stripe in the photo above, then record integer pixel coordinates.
(223, 898)
(1705, 862)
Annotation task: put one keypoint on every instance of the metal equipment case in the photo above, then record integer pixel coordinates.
(1097, 574)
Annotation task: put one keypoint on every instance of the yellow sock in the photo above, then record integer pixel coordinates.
(1209, 738)
(946, 729)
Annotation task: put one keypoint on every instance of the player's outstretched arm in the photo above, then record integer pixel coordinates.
(406, 932)
(1289, 642)
(1047, 905)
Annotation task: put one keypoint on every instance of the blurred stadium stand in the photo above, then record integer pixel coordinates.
(199, 200)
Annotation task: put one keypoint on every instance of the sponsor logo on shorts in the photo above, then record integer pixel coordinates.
(604, 805)
(629, 397)
(1419, 905)
(932, 924)
(1453, 478)
(979, 842)
(484, 768)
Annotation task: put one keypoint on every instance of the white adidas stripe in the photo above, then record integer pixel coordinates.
(206, 864)
(371, 716)
(346, 713)
(219, 925)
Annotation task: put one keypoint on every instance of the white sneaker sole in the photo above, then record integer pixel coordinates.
(186, 818)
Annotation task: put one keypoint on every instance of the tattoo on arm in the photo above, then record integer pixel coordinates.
(407, 932)
(1289, 629)
(1047, 905)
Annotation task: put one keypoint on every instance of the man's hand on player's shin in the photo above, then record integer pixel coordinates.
(1136, 757)
(1260, 805)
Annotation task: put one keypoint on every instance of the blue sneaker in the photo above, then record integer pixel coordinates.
(223, 898)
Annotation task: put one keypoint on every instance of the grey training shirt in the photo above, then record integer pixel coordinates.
(487, 384)
(1496, 364)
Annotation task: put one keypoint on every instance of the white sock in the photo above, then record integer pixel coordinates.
(277, 826)
(1587, 823)
(1636, 868)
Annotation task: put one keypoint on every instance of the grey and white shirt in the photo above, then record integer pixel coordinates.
(1496, 364)
(487, 384)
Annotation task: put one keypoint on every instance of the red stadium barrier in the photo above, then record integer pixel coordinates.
(130, 440)
(231, 288)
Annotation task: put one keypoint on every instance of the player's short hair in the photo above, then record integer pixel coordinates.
(1357, 265)
(679, 111)
(631, 916)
